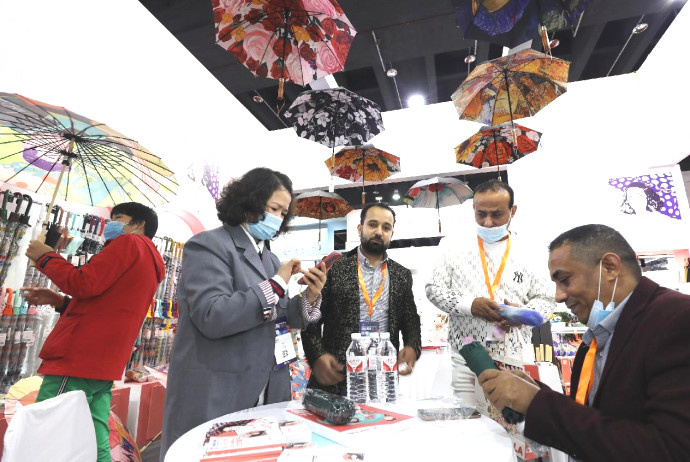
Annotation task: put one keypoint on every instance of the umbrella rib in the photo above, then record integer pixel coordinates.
(101, 177)
(118, 181)
(524, 96)
(131, 168)
(27, 166)
(114, 165)
(86, 178)
(38, 116)
(122, 158)
(51, 144)
(115, 149)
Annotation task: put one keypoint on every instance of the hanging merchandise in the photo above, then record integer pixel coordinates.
(283, 40)
(437, 192)
(321, 205)
(17, 225)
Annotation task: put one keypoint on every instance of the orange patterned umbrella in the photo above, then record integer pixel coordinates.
(366, 163)
(498, 145)
(511, 87)
(322, 205)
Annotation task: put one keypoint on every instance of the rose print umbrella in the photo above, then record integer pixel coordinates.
(512, 22)
(437, 192)
(511, 87)
(366, 163)
(497, 145)
(335, 117)
(289, 40)
(322, 205)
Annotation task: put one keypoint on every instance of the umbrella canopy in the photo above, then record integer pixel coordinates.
(497, 145)
(38, 142)
(363, 163)
(321, 205)
(289, 40)
(437, 192)
(512, 22)
(335, 117)
(366, 163)
(511, 87)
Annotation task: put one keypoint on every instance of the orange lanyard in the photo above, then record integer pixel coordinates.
(370, 303)
(489, 286)
(584, 386)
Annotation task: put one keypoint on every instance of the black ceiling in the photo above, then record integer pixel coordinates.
(420, 39)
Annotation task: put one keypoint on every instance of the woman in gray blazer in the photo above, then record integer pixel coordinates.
(231, 292)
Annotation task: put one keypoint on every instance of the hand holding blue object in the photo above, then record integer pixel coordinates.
(521, 315)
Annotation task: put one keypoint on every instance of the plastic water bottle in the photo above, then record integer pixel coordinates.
(374, 377)
(356, 356)
(389, 369)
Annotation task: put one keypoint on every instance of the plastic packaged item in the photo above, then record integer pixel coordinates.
(521, 315)
(335, 409)
(478, 360)
(356, 357)
(389, 368)
(374, 375)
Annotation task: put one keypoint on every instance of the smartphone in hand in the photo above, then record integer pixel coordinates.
(328, 260)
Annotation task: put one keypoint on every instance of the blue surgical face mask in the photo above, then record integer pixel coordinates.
(266, 228)
(598, 313)
(494, 234)
(113, 229)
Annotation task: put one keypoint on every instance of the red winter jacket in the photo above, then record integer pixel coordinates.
(93, 338)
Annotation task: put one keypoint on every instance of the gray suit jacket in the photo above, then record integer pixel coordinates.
(223, 354)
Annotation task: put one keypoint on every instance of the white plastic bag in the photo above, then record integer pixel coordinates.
(58, 429)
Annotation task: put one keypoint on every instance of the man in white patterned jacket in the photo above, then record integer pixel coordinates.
(477, 274)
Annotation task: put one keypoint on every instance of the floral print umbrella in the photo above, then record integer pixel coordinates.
(437, 192)
(289, 40)
(43, 146)
(335, 117)
(497, 145)
(511, 87)
(512, 22)
(322, 205)
(366, 163)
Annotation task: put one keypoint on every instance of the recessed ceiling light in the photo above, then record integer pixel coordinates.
(416, 100)
(396, 195)
(258, 99)
(392, 72)
(641, 27)
(470, 59)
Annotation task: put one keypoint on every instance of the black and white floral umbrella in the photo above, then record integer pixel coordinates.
(335, 117)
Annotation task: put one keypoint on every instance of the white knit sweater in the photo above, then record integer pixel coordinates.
(458, 278)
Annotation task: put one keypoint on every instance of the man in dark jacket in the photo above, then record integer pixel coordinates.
(363, 286)
(630, 398)
(106, 302)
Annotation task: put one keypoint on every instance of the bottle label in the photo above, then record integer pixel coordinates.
(389, 364)
(355, 364)
(29, 337)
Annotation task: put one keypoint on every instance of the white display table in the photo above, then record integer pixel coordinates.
(472, 439)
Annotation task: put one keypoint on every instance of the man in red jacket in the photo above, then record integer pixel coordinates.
(101, 314)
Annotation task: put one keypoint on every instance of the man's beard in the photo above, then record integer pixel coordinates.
(374, 247)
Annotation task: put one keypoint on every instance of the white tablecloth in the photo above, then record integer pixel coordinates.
(472, 439)
(430, 377)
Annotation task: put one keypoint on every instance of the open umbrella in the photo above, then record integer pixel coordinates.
(294, 40)
(335, 117)
(102, 166)
(437, 192)
(511, 87)
(497, 145)
(366, 163)
(512, 22)
(322, 205)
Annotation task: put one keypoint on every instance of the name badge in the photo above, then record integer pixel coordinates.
(284, 348)
(367, 327)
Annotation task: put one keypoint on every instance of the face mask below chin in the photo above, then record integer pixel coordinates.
(493, 234)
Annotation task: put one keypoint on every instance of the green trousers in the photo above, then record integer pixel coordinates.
(98, 395)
